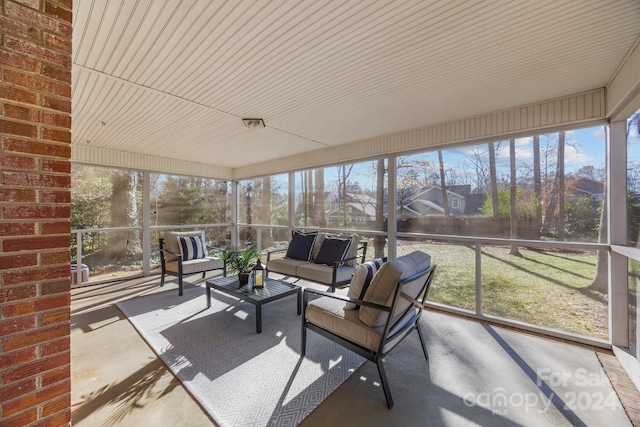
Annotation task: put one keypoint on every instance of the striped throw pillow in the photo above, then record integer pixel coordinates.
(192, 247)
(362, 279)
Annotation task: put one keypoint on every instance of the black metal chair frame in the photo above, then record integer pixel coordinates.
(379, 354)
(179, 274)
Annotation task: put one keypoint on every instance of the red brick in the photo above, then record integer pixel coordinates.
(22, 419)
(11, 26)
(36, 243)
(39, 305)
(37, 148)
(57, 11)
(66, 3)
(18, 128)
(30, 16)
(17, 325)
(40, 84)
(17, 293)
(19, 277)
(37, 367)
(59, 43)
(56, 286)
(17, 229)
(33, 399)
(17, 389)
(61, 166)
(18, 261)
(8, 360)
(36, 180)
(17, 94)
(16, 61)
(58, 257)
(16, 195)
(35, 212)
(36, 115)
(56, 135)
(33, 4)
(57, 73)
(55, 347)
(51, 303)
(58, 375)
(58, 104)
(56, 227)
(36, 337)
(8, 161)
(56, 406)
(62, 419)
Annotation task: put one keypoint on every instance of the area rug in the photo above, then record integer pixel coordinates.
(239, 377)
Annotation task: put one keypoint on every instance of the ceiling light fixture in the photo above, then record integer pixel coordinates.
(253, 123)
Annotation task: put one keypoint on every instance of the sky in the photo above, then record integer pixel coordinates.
(583, 147)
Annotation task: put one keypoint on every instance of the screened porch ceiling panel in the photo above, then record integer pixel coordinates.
(174, 78)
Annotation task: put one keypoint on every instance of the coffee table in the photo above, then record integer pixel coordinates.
(273, 290)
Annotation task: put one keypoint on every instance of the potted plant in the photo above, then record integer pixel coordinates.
(240, 262)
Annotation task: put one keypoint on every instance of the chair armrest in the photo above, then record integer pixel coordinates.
(275, 251)
(169, 252)
(345, 299)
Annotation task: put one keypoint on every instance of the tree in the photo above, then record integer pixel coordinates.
(379, 241)
(443, 188)
(537, 181)
(560, 192)
(124, 213)
(319, 199)
(513, 212)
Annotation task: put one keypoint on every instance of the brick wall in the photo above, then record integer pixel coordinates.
(35, 181)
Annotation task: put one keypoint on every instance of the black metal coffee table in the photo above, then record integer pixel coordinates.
(273, 290)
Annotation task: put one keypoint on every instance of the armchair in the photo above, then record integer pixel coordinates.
(185, 253)
(388, 313)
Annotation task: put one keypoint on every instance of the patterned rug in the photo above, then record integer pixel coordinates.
(239, 377)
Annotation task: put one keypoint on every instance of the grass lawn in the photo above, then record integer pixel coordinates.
(544, 288)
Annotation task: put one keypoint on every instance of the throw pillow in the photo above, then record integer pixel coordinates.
(362, 279)
(333, 249)
(301, 245)
(192, 247)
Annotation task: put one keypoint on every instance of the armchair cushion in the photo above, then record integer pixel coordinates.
(333, 249)
(192, 247)
(301, 245)
(353, 250)
(195, 265)
(329, 313)
(362, 279)
(383, 285)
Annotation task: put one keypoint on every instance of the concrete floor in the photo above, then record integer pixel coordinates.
(118, 381)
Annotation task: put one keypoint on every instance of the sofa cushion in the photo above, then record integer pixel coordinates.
(322, 273)
(333, 249)
(285, 266)
(301, 245)
(329, 313)
(384, 283)
(192, 247)
(196, 265)
(361, 280)
(172, 244)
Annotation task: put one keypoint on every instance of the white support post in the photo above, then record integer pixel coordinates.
(146, 223)
(391, 208)
(617, 230)
(235, 235)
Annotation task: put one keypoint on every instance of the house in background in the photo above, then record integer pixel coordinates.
(429, 202)
(360, 209)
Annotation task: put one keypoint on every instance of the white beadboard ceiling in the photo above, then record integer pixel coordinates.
(173, 78)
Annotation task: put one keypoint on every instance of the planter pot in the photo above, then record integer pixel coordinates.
(243, 278)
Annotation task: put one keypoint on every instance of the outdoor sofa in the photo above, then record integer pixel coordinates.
(324, 258)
